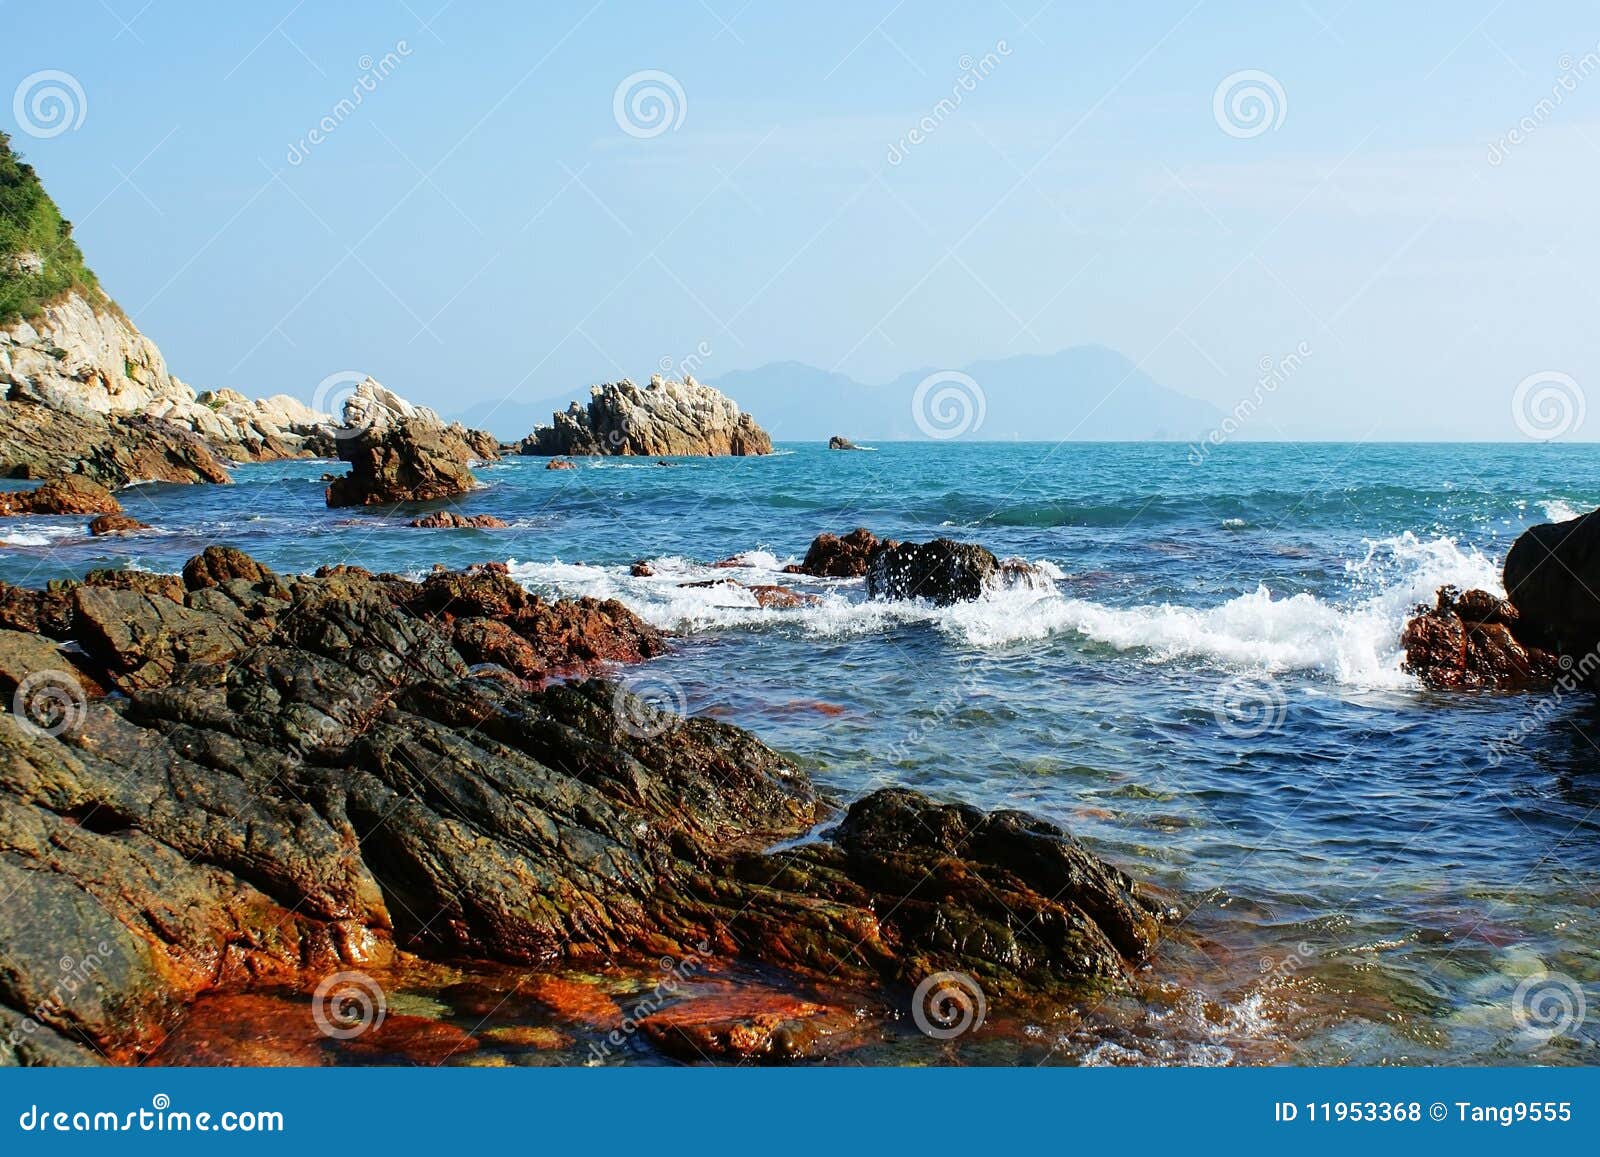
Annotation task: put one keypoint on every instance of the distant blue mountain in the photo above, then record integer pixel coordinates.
(1087, 393)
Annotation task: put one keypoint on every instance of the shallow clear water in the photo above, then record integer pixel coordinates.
(1209, 694)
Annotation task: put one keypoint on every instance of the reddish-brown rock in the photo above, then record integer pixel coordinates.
(69, 494)
(561, 464)
(1474, 640)
(831, 556)
(115, 524)
(450, 520)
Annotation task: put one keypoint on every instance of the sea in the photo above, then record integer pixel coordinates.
(1208, 691)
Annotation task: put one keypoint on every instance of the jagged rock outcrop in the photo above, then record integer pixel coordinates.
(665, 418)
(91, 375)
(37, 442)
(831, 556)
(840, 442)
(303, 775)
(1552, 573)
(944, 571)
(1475, 640)
(402, 453)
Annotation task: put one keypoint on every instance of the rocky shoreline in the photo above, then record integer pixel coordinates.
(233, 782)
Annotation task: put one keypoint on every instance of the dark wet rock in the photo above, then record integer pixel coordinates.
(840, 442)
(943, 571)
(1475, 640)
(1552, 573)
(561, 464)
(116, 524)
(831, 556)
(450, 520)
(304, 775)
(69, 494)
(668, 418)
(641, 569)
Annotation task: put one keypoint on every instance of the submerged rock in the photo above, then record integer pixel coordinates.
(116, 524)
(944, 572)
(665, 418)
(450, 520)
(303, 775)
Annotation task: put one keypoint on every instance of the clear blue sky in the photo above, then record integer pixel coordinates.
(481, 224)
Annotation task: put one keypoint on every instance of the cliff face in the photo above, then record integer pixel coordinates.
(82, 391)
(665, 418)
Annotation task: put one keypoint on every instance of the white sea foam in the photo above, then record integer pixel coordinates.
(39, 533)
(1353, 639)
(1558, 510)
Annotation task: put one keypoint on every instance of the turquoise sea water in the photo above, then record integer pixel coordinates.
(1208, 693)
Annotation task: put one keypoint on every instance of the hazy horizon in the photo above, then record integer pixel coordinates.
(471, 204)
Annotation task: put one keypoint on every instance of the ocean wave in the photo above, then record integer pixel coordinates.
(1353, 639)
(40, 533)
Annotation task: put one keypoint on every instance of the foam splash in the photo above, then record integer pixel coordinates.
(1352, 639)
(39, 533)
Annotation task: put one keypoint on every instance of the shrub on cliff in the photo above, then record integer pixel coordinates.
(39, 260)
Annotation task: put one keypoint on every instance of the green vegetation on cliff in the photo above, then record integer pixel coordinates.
(39, 260)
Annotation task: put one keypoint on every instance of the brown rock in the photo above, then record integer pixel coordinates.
(223, 564)
(561, 464)
(69, 494)
(1474, 640)
(450, 520)
(833, 557)
(412, 458)
(666, 418)
(116, 524)
(641, 569)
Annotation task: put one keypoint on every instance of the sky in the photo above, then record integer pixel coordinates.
(497, 218)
